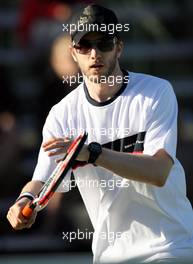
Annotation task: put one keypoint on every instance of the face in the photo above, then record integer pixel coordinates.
(94, 58)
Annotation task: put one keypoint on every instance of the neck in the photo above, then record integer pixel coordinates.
(105, 90)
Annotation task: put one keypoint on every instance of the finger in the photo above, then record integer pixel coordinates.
(52, 140)
(49, 141)
(26, 224)
(14, 223)
(17, 222)
(66, 139)
(10, 219)
(55, 145)
(15, 212)
(58, 144)
(32, 219)
(57, 152)
(30, 223)
(58, 160)
(18, 226)
(15, 218)
(21, 226)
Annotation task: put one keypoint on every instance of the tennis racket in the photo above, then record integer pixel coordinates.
(50, 186)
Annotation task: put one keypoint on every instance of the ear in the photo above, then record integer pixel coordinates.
(73, 54)
(119, 48)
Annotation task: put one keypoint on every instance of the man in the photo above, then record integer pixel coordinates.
(137, 204)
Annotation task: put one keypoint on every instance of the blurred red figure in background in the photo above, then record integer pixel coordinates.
(34, 10)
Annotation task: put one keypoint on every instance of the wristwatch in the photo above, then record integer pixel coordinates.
(95, 150)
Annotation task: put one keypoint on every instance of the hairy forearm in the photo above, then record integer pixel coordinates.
(143, 168)
(32, 187)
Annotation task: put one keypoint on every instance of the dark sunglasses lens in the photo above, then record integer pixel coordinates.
(106, 45)
(83, 47)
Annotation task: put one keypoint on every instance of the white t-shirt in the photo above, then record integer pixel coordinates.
(132, 220)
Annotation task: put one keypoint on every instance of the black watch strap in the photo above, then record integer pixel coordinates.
(95, 150)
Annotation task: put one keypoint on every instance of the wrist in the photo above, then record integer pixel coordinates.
(26, 195)
(94, 150)
(23, 201)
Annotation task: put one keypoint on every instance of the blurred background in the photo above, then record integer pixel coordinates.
(33, 60)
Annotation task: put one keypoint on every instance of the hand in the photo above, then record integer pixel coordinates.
(16, 218)
(58, 146)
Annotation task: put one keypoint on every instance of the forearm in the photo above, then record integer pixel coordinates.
(143, 168)
(32, 187)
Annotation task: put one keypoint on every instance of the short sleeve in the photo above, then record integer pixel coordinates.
(46, 165)
(161, 127)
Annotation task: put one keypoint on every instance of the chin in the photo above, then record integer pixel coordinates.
(95, 78)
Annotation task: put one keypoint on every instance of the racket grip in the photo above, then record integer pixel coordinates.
(27, 211)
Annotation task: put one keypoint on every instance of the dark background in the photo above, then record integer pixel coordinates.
(32, 63)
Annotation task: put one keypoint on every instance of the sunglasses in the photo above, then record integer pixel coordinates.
(104, 45)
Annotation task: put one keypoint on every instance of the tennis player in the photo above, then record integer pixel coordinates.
(132, 184)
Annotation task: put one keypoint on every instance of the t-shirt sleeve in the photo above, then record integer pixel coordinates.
(161, 127)
(46, 165)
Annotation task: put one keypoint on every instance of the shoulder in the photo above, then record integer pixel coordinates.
(61, 112)
(150, 85)
(151, 93)
(69, 101)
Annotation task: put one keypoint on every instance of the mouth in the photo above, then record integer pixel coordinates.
(96, 66)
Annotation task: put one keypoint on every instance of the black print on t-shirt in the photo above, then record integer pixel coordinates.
(134, 143)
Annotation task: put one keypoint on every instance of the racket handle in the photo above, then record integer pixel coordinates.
(27, 210)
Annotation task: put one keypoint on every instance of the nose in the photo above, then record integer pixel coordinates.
(95, 53)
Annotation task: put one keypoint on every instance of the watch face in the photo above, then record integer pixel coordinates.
(95, 150)
(95, 147)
